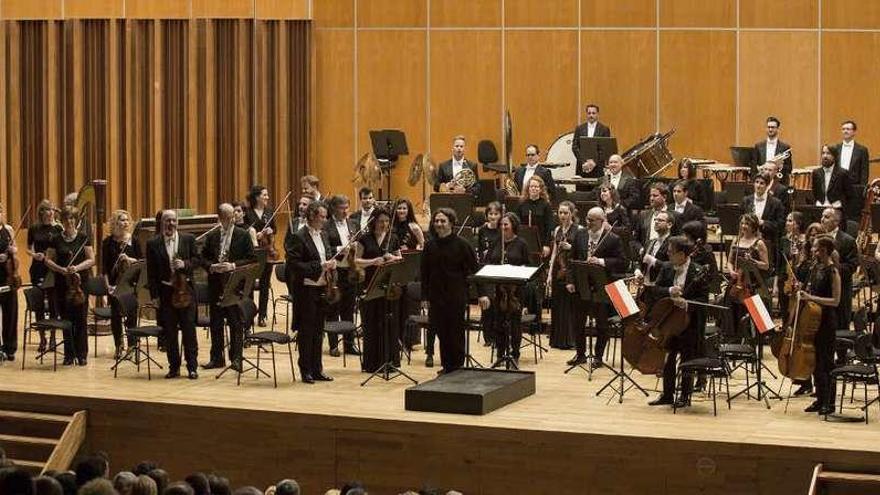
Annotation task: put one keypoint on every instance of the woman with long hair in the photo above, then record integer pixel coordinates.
(562, 302)
(39, 238)
(534, 210)
(615, 213)
(118, 251)
(748, 246)
(405, 226)
(258, 217)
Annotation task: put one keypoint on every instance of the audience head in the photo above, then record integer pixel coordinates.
(91, 467)
(178, 488)
(144, 467)
(123, 481)
(352, 488)
(287, 487)
(144, 485)
(199, 483)
(68, 482)
(160, 476)
(97, 486)
(247, 490)
(47, 485)
(16, 480)
(219, 485)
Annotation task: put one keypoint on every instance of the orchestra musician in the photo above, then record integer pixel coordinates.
(563, 302)
(309, 187)
(701, 253)
(792, 249)
(591, 128)
(531, 168)
(39, 238)
(696, 191)
(853, 157)
(367, 203)
(534, 210)
(377, 247)
(832, 218)
(171, 257)
(831, 184)
(488, 236)
(450, 169)
(340, 229)
(9, 299)
(682, 279)
(770, 214)
(405, 227)
(654, 254)
(775, 188)
(117, 252)
(259, 216)
(238, 209)
(771, 147)
(616, 213)
(624, 183)
(446, 264)
(598, 245)
(294, 224)
(70, 256)
(645, 228)
(748, 245)
(311, 259)
(225, 249)
(682, 207)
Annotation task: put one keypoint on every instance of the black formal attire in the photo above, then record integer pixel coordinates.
(259, 222)
(628, 189)
(788, 253)
(659, 249)
(838, 188)
(293, 227)
(407, 306)
(379, 343)
(344, 309)
(698, 193)
(859, 167)
(501, 323)
(240, 251)
(780, 191)
(583, 130)
(306, 259)
(76, 341)
(487, 239)
(737, 308)
(111, 250)
(607, 247)
(690, 213)
(762, 158)
(820, 284)
(773, 216)
(8, 300)
(563, 304)
(687, 344)
(645, 225)
(620, 218)
(445, 174)
(542, 172)
(40, 237)
(161, 279)
(360, 218)
(537, 213)
(447, 262)
(703, 256)
(849, 261)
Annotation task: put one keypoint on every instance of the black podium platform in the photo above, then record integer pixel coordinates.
(471, 391)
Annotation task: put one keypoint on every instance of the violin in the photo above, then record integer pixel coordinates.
(75, 295)
(13, 263)
(181, 295)
(740, 288)
(265, 239)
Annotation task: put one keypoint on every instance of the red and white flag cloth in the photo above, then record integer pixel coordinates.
(759, 314)
(622, 300)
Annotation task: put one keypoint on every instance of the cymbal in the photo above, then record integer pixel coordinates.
(416, 170)
(430, 170)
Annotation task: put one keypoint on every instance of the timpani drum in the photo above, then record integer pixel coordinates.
(560, 152)
(802, 179)
(720, 173)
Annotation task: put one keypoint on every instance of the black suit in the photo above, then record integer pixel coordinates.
(762, 158)
(838, 188)
(174, 319)
(628, 190)
(241, 252)
(849, 261)
(611, 250)
(344, 309)
(660, 250)
(305, 262)
(444, 175)
(543, 173)
(691, 213)
(583, 131)
(859, 167)
(644, 226)
(780, 192)
(774, 222)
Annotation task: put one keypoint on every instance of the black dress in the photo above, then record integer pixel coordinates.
(516, 252)
(487, 238)
(539, 214)
(562, 303)
(111, 249)
(259, 222)
(376, 347)
(820, 284)
(76, 343)
(733, 326)
(40, 236)
(406, 306)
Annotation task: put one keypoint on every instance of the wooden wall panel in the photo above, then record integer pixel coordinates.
(333, 13)
(779, 14)
(391, 72)
(849, 75)
(225, 9)
(698, 91)
(158, 9)
(470, 106)
(334, 102)
(540, 86)
(618, 73)
(636, 13)
(392, 13)
(544, 13)
(791, 94)
(850, 14)
(698, 13)
(32, 9)
(89, 9)
(283, 9)
(465, 13)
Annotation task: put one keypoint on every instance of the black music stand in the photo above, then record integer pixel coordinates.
(811, 213)
(388, 145)
(461, 203)
(599, 149)
(743, 156)
(239, 283)
(390, 278)
(584, 274)
(529, 234)
(763, 390)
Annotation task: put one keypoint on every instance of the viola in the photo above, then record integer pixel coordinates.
(181, 295)
(75, 295)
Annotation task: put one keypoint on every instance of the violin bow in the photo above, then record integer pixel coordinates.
(277, 209)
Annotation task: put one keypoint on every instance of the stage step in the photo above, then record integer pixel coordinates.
(843, 483)
(32, 424)
(33, 467)
(39, 441)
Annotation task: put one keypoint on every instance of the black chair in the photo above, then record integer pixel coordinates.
(259, 339)
(97, 287)
(287, 299)
(532, 335)
(34, 298)
(863, 372)
(138, 337)
(419, 323)
(711, 368)
(342, 329)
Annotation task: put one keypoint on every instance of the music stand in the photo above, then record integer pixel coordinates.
(764, 391)
(529, 234)
(388, 145)
(127, 281)
(389, 278)
(239, 283)
(743, 156)
(811, 213)
(462, 204)
(599, 149)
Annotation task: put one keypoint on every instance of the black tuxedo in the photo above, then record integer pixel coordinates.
(305, 262)
(628, 190)
(609, 249)
(691, 212)
(172, 319)
(838, 189)
(241, 252)
(780, 192)
(653, 272)
(762, 158)
(849, 261)
(543, 173)
(859, 167)
(344, 309)
(773, 217)
(644, 226)
(580, 131)
(444, 175)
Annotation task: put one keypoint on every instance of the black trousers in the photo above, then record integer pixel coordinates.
(313, 311)
(684, 348)
(116, 320)
(503, 324)
(265, 283)
(343, 310)
(825, 387)
(231, 316)
(76, 340)
(600, 313)
(179, 321)
(9, 303)
(448, 320)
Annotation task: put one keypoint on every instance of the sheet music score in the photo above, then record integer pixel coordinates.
(512, 272)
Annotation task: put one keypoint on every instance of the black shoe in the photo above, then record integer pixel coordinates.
(321, 377)
(81, 361)
(596, 364)
(335, 352)
(261, 322)
(578, 359)
(681, 403)
(804, 389)
(192, 375)
(212, 365)
(353, 352)
(10, 357)
(429, 361)
(825, 410)
(172, 374)
(236, 366)
(307, 379)
(661, 401)
(814, 407)
(67, 362)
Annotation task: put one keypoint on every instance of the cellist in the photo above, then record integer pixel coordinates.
(682, 279)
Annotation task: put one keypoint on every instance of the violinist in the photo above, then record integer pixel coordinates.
(596, 245)
(118, 251)
(311, 258)
(749, 246)
(225, 249)
(294, 224)
(654, 255)
(71, 257)
(259, 216)
(238, 210)
(534, 210)
(340, 229)
(616, 213)
(563, 302)
(8, 300)
(39, 238)
(447, 263)
(489, 234)
(682, 207)
(376, 248)
(687, 172)
(503, 303)
(682, 279)
(411, 237)
(702, 254)
(792, 249)
(171, 257)
(825, 289)
(406, 228)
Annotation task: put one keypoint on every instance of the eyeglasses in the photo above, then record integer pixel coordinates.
(531, 154)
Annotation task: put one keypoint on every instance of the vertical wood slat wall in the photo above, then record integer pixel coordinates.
(172, 112)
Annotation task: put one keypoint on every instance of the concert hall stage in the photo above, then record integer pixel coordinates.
(563, 439)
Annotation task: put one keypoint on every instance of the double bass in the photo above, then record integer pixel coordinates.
(795, 351)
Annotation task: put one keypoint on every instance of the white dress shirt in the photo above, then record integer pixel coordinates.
(846, 151)
(529, 172)
(225, 241)
(771, 149)
(760, 203)
(365, 217)
(681, 274)
(322, 254)
(457, 166)
(614, 179)
(591, 129)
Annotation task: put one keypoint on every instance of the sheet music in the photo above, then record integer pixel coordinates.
(511, 272)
